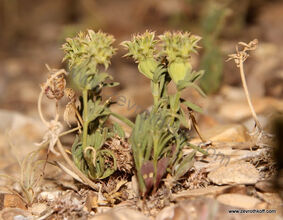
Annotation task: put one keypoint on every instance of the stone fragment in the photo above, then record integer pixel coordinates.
(235, 173)
(210, 190)
(238, 200)
(15, 214)
(13, 201)
(38, 208)
(227, 133)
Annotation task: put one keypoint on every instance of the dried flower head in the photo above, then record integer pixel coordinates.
(55, 88)
(242, 55)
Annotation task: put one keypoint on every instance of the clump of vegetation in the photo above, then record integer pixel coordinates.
(86, 55)
(29, 180)
(157, 138)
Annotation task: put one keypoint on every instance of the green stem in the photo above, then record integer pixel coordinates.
(155, 93)
(172, 115)
(85, 116)
(155, 158)
(195, 147)
(123, 119)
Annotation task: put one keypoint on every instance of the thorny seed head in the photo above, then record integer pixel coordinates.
(141, 47)
(178, 46)
(93, 48)
(241, 56)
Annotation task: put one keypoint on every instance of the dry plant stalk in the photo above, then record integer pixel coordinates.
(54, 88)
(239, 58)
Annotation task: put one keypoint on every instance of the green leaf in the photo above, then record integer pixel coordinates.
(182, 84)
(77, 155)
(198, 148)
(183, 119)
(158, 73)
(185, 165)
(118, 130)
(193, 106)
(175, 102)
(97, 79)
(197, 88)
(110, 170)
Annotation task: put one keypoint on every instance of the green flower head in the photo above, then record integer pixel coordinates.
(178, 46)
(91, 47)
(141, 47)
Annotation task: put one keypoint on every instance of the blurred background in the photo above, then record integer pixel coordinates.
(32, 33)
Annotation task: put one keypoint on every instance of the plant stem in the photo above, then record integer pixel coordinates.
(248, 95)
(85, 180)
(155, 158)
(69, 131)
(85, 121)
(155, 93)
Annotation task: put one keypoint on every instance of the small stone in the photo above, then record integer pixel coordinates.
(38, 208)
(91, 201)
(238, 200)
(227, 133)
(13, 201)
(49, 196)
(235, 173)
(239, 110)
(15, 214)
(210, 190)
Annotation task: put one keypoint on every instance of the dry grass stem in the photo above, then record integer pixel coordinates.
(239, 58)
(52, 90)
(85, 180)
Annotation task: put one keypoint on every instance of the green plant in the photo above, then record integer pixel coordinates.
(87, 54)
(30, 177)
(212, 23)
(157, 138)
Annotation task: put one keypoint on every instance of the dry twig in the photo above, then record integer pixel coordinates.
(239, 58)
